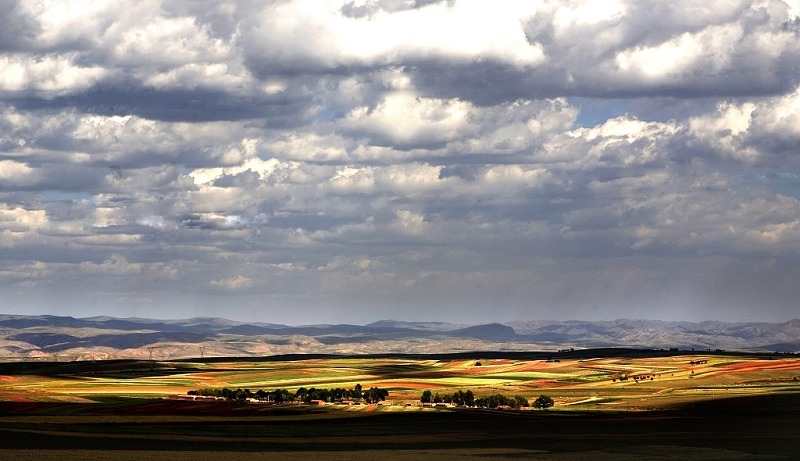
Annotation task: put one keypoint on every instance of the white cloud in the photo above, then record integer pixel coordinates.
(232, 283)
(405, 118)
(349, 178)
(776, 117)
(18, 219)
(410, 222)
(115, 265)
(25, 273)
(309, 146)
(671, 59)
(464, 30)
(410, 178)
(752, 131)
(74, 21)
(15, 172)
(50, 75)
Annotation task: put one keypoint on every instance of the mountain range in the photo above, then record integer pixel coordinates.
(46, 337)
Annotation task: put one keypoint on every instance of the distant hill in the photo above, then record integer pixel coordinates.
(752, 336)
(491, 332)
(48, 337)
(428, 326)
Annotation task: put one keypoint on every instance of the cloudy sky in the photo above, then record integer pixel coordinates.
(309, 161)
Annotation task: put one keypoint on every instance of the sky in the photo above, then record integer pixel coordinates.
(310, 161)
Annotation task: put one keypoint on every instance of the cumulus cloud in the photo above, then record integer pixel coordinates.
(567, 159)
(18, 223)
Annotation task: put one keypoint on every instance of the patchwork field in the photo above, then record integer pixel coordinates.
(634, 382)
(699, 406)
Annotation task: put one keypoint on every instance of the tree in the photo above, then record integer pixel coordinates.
(469, 398)
(494, 401)
(543, 402)
(282, 395)
(375, 395)
(426, 396)
(338, 394)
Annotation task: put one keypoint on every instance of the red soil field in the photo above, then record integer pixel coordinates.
(764, 365)
(15, 397)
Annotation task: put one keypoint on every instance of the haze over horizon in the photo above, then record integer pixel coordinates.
(304, 162)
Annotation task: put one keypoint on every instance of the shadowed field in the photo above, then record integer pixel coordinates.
(764, 427)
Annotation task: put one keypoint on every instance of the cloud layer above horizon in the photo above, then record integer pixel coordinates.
(346, 161)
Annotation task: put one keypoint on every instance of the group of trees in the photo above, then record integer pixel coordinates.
(499, 400)
(372, 395)
(306, 395)
(543, 402)
(467, 398)
(459, 398)
(226, 393)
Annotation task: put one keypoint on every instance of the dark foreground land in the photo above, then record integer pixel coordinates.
(750, 428)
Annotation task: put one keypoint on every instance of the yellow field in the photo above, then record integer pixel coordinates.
(592, 384)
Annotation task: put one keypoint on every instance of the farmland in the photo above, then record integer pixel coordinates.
(575, 383)
(717, 405)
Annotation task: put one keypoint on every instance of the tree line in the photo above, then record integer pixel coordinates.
(305, 395)
(467, 399)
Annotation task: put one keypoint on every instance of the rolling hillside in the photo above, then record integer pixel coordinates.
(67, 338)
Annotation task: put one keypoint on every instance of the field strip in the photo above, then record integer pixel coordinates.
(580, 402)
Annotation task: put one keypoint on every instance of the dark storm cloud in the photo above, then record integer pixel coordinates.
(176, 105)
(491, 83)
(18, 28)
